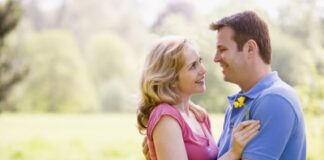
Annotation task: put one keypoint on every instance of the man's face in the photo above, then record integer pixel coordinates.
(229, 57)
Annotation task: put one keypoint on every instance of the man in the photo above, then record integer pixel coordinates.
(244, 53)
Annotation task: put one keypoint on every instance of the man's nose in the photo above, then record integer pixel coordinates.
(217, 58)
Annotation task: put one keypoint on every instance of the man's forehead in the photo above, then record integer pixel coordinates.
(225, 32)
(224, 35)
(220, 40)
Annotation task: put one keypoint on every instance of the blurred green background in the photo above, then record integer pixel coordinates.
(69, 69)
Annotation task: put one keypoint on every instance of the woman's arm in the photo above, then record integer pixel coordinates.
(241, 136)
(168, 140)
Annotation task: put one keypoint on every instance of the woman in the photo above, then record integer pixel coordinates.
(173, 73)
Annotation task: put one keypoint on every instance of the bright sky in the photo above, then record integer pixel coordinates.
(149, 9)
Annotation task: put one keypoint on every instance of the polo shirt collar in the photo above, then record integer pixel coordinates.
(264, 83)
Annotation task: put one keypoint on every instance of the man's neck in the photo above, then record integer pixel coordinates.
(253, 77)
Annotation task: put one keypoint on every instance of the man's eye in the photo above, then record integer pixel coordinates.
(222, 49)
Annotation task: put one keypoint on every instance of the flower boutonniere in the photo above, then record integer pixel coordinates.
(240, 102)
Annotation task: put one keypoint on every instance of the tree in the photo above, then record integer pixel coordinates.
(58, 80)
(10, 72)
(109, 60)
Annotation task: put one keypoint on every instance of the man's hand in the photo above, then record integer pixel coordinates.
(145, 149)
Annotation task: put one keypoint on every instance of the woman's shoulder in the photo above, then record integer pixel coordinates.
(164, 107)
(161, 111)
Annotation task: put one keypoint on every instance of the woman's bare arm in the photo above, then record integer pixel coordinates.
(168, 140)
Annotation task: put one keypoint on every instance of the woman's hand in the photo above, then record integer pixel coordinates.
(242, 135)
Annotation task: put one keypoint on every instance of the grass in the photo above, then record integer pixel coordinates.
(69, 137)
(97, 137)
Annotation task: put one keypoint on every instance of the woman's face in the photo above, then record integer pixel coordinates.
(192, 76)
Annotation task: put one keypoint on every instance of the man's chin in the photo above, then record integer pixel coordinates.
(226, 79)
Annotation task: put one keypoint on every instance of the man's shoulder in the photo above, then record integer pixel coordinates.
(281, 89)
(281, 93)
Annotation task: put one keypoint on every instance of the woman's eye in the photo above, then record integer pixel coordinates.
(193, 66)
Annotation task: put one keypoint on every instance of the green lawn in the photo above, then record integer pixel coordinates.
(96, 137)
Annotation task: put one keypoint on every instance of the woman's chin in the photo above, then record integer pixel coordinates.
(202, 90)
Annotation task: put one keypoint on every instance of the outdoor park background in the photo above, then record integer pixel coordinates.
(69, 69)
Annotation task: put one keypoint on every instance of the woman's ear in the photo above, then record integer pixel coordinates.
(174, 84)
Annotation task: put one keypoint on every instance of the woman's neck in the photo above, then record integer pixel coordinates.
(183, 106)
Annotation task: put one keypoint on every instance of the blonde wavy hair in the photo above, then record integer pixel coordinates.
(158, 81)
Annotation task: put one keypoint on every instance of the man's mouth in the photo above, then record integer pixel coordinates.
(224, 66)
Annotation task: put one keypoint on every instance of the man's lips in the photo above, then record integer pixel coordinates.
(224, 66)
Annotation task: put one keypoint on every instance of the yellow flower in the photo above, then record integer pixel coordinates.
(236, 104)
(240, 102)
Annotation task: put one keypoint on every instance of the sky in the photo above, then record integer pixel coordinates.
(150, 9)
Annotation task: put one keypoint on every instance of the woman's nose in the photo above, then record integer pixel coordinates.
(203, 69)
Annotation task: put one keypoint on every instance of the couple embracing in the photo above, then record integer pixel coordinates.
(263, 121)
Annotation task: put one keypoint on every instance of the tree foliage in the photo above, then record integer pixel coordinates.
(58, 80)
(104, 48)
(11, 72)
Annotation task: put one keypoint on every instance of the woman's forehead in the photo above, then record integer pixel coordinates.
(190, 54)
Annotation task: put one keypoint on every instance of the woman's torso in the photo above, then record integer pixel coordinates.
(197, 146)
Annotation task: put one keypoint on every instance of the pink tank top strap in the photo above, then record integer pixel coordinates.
(163, 109)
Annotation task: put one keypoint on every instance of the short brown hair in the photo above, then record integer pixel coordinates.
(248, 25)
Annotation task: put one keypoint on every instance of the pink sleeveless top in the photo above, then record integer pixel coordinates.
(197, 147)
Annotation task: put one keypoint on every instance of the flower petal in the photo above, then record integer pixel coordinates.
(236, 104)
(241, 99)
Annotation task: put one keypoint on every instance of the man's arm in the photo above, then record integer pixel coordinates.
(277, 119)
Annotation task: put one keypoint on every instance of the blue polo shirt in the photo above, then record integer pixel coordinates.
(282, 132)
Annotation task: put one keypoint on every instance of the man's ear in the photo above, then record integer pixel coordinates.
(251, 47)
